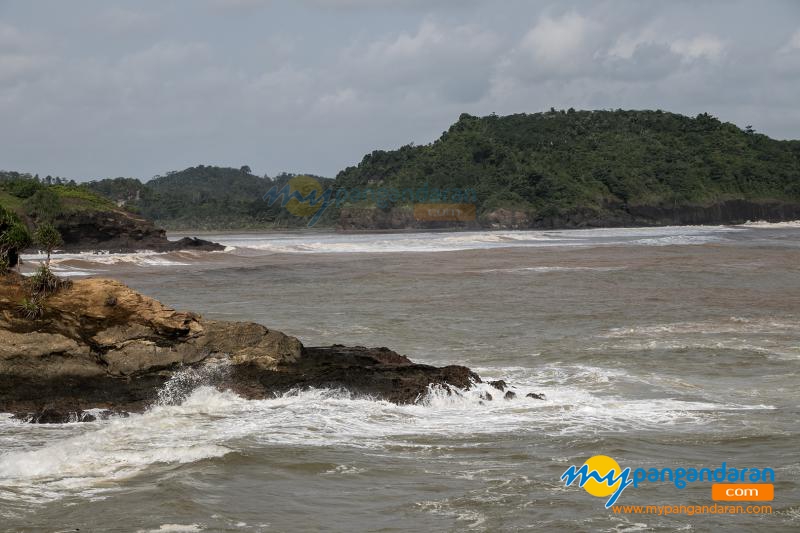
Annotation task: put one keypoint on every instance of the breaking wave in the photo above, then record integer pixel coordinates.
(195, 422)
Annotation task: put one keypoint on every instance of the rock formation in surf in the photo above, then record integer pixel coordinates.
(101, 345)
(118, 231)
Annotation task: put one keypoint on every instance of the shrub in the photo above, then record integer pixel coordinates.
(14, 237)
(31, 308)
(43, 282)
(48, 237)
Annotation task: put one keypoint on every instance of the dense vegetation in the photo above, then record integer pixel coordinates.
(28, 202)
(36, 199)
(549, 163)
(543, 164)
(25, 200)
(203, 197)
(14, 237)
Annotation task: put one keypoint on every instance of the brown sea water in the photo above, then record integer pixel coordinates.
(668, 347)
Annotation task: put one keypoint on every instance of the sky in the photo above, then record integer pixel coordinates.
(100, 88)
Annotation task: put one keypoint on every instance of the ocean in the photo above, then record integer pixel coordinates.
(673, 347)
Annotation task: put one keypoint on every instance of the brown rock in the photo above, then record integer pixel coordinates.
(85, 354)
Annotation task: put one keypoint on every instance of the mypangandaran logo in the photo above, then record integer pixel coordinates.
(304, 196)
(603, 477)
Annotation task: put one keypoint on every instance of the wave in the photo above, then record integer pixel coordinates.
(85, 263)
(775, 338)
(715, 327)
(771, 225)
(545, 269)
(449, 241)
(91, 458)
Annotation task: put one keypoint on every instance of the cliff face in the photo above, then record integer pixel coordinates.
(616, 215)
(99, 344)
(611, 215)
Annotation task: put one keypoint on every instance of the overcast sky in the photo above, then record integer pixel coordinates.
(97, 88)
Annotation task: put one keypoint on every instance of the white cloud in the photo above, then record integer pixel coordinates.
(553, 41)
(702, 46)
(279, 76)
(21, 56)
(439, 59)
(793, 44)
(626, 44)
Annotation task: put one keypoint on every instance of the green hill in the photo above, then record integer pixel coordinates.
(86, 221)
(594, 166)
(36, 200)
(203, 197)
(555, 169)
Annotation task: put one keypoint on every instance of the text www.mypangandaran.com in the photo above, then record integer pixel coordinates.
(691, 509)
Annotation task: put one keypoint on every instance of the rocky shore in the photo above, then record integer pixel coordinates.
(100, 345)
(612, 215)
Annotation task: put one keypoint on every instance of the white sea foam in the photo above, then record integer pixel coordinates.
(771, 225)
(678, 240)
(174, 528)
(546, 269)
(448, 241)
(707, 327)
(65, 263)
(98, 456)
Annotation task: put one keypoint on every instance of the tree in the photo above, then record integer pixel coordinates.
(14, 237)
(44, 204)
(48, 237)
(245, 169)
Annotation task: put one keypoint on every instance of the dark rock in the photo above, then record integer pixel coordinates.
(51, 415)
(535, 396)
(375, 372)
(610, 214)
(510, 395)
(499, 385)
(119, 231)
(193, 243)
(486, 396)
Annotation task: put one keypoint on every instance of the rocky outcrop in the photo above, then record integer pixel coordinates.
(119, 231)
(373, 218)
(101, 345)
(630, 215)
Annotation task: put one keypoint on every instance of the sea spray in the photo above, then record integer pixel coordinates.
(186, 380)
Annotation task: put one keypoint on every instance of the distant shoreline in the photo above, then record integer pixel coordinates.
(177, 234)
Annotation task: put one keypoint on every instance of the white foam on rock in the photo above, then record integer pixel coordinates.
(98, 456)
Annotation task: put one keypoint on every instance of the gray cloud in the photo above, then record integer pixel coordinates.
(139, 88)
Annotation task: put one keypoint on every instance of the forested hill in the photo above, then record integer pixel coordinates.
(598, 167)
(203, 197)
(554, 169)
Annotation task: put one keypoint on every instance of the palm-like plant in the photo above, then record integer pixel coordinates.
(48, 237)
(31, 308)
